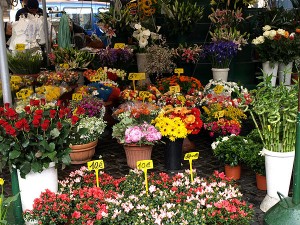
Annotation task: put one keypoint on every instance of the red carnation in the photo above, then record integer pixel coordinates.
(27, 109)
(11, 114)
(45, 125)
(38, 112)
(36, 122)
(10, 130)
(80, 110)
(59, 125)
(34, 102)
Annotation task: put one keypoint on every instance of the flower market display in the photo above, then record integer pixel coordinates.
(170, 200)
(148, 87)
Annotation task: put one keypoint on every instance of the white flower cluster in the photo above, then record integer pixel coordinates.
(95, 128)
(215, 144)
(142, 35)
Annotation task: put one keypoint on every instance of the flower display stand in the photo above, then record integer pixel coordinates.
(233, 172)
(220, 73)
(34, 183)
(173, 154)
(285, 73)
(136, 153)
(270, 68)
(82, 153)
(279, 166)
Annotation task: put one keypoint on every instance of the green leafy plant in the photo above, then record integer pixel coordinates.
(228, 149)
(181, 16)
(251, 154)
(25, 62)
(274, 112)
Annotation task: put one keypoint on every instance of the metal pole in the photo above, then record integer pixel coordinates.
(7, 99)
(46, 31)
(296, 187)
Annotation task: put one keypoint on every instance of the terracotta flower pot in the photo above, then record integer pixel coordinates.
(82, 153)
(261, 182)
(233, 172)
(136, 153)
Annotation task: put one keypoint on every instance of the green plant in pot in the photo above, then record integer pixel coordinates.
(25, 62)
(274, 112)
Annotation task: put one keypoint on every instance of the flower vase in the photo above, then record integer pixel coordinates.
(173, 154)
(83, 153)
(233, 172)
(285, 73)
(270, 68)
(136, 153)
(142, 64)
(34, 183)
(220, 73)
(278, 177)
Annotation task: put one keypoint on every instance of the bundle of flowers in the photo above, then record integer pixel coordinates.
(64, 77)
(220, 53)
(86, 90)
(105, 73)
(35, 136)
(170, 200)
(276, 45)
(115, 57)
(224, 105)
(186, 83)
(192, 99)
(132, 114)
(50, 92)
(189, 116)
(137, 95)
(186, 54)
(93, 106)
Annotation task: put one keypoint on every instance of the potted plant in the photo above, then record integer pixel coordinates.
(175, 123)
(274, 112)
(134, 130)
(252, 158)
(34, 141)
(84, 136)
(228, 150)
(124, 201)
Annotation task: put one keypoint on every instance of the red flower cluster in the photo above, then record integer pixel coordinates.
(223, 127)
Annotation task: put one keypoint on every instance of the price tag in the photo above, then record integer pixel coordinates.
(136, 76)
(144, 95)
(182, 99)
(119, 45)
(76, 96)
(20, 47)
(179, 71)
(24, 93)
(96, 165)
(174, 89)
(145, 165)
(191, 156)
(15, 79)
(95, 78)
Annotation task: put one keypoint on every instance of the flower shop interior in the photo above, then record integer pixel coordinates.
(149, 112)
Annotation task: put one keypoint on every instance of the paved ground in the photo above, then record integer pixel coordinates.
(115, 164)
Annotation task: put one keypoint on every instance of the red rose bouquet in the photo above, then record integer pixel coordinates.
(35, 135)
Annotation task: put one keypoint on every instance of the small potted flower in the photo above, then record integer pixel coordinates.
(228, 151)
(83, 137)
(134, 130)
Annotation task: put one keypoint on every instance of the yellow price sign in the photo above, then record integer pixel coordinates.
(179, 71)
(144, 94)
(145, 165)
(182, 99)
(191, 156)
(76, 96)
(95, 78)
(24, 93)
(20, 95)
(119, 45)
(15, 79)
(137, 76)
(96, 165)
(20, 47)
(174, 89)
